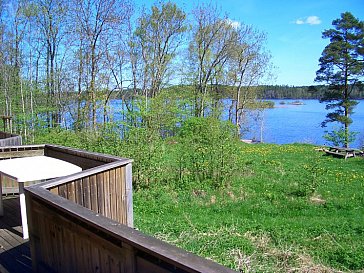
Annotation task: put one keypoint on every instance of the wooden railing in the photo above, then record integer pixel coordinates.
(81, 223)
(9, 186)
(102, 188)
(7, 139)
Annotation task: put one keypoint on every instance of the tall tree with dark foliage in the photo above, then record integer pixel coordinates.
(342, 68)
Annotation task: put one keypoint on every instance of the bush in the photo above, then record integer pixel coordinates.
(147, 149)
(338, 137)
(207, 151)
(106, 140)
(203, 153)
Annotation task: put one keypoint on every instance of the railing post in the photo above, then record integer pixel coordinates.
(129, 195)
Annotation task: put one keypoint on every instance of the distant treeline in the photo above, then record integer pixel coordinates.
(301, 92)
(270, 91)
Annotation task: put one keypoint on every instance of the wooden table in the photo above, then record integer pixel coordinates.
(342, 152)
(32, 169)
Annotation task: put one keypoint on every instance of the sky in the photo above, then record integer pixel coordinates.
(293, 28)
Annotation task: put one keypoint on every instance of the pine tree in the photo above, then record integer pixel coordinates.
(342, 68)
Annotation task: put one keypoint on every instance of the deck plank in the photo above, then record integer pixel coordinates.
(14, 250)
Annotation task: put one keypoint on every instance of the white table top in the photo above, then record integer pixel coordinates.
(34, 168)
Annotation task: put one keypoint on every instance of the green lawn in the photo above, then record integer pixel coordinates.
(290, 208)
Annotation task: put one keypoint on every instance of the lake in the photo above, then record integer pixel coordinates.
(283, 124)
(302, 123)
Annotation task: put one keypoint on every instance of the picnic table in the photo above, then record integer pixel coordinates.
(342, 152)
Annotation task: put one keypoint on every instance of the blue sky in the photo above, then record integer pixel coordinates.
(293, 29)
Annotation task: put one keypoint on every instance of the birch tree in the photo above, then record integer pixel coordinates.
(96, 21)
(14, 25)
(159, 35)
(248, 64)
(212, 40)
(51, 21)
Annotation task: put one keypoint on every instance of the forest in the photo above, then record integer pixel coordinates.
(67, 59)
(70, 56)
(302, 92)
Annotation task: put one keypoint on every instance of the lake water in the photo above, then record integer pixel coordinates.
(283, 124)
(302, 123)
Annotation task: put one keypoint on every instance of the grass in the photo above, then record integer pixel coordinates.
(287, 208)
(290, 209)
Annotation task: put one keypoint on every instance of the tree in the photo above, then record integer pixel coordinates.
(213, 39)
(342, 67)
(95, 23)
(247, 65)
(50, 19)
(14, 22)
(159, 35)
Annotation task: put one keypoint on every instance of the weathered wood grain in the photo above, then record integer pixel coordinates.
(14, 251)
(7, 139)
(79, 223)
(102, 245)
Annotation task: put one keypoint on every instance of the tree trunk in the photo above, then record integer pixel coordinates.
(346, 107)
(92, 85)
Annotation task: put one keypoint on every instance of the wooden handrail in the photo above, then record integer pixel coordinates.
(146, 249)
(66, 236)
(8, 139)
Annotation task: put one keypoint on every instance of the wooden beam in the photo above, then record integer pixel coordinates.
(108, 228)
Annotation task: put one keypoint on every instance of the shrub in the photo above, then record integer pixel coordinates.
(338, 137)
(147, 149)
(207, 151)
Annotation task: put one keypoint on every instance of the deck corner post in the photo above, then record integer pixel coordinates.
(129, 194)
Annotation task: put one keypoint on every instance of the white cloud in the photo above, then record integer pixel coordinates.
(310, 20)
(234, 24)
(313, 20)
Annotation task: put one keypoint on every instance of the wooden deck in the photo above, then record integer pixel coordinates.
(14, 251)
(83, 222)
